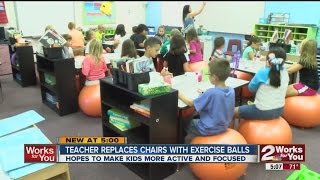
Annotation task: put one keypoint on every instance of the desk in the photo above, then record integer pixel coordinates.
(108, 44)
(184, 83)
(189, 85)
(253, 67)
(290, 57)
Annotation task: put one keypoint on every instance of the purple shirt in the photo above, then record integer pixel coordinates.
(195, 57)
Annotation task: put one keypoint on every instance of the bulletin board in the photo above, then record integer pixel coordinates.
(93, 13)
(3, 14)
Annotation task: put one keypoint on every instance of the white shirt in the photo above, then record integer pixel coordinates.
(121, 39)
(87, 48)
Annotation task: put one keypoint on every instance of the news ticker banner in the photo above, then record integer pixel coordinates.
(114, 150)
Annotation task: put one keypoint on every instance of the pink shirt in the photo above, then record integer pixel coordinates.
(92, 70)
(195, 57)
(77, 38)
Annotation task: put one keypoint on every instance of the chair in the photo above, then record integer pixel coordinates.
(233, 43)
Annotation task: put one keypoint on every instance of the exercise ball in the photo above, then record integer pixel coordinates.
(198, 66)
(275, 131)
(245, 90)
(89, 100)
(302, 111)
(219, 171)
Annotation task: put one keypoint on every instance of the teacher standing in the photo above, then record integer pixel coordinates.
(188, 16)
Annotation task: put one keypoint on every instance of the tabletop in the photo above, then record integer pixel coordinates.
(188, 84)
(254, 66)
(107, 57)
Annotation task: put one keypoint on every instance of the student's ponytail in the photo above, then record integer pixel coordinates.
(274, 76)
(276, 58)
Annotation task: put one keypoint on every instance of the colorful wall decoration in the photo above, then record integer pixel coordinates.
(99, 12)
(3, 14)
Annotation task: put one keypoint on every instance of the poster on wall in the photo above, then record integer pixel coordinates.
(3, 14)
(99, 12)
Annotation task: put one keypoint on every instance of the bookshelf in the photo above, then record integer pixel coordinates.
(299, 33)
(23, 69)
(57, 84)
(160, 128)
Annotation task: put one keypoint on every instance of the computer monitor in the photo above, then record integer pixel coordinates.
(151, 30)
(247, 37)
(2, 33)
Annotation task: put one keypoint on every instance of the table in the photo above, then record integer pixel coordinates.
(188, 84)
(253, 67)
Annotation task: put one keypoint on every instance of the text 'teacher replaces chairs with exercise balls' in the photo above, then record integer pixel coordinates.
(234, 45)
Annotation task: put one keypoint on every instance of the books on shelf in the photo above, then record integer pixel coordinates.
(121, 120)
(143, 108)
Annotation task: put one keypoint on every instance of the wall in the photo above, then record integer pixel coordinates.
(301, 12)
(128, 13)
(153, 8)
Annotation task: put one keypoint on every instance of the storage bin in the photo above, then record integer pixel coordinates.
(129, 80)
(53, 52)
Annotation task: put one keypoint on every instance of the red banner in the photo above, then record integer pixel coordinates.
(3, 14)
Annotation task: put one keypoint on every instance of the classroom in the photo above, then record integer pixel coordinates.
(159, 90)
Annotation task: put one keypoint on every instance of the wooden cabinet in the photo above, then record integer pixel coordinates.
(160, 128)
(58, 85)
(23, 67)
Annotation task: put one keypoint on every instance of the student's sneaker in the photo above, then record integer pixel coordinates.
(250, 103)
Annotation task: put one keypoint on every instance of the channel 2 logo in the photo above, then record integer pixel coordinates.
(283, 153)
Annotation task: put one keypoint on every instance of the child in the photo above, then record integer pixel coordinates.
(94, 65)
(307, 67)
(77, 36)
(194, 46)
(270, 84)
(67, 51)
(251, 50)
(161, 34)
(128, 49)
(90, 36)
(140, 36)
(215, 105)
(175, 61)
(152, 47)
(119, 37)
(100, 32)
(217, 50)
(166, 45)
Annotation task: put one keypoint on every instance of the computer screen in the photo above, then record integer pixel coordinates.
(152, 30)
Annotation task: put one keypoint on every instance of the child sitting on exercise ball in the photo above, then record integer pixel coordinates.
(94, 65)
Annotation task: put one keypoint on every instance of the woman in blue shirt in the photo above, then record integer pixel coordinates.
(188, 16)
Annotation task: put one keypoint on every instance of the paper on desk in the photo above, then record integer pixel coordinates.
(4, 175)
(18, 173)
(20, 121)
(12, 147)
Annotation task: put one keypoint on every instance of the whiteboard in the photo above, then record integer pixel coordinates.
(34, 16)
(231, 17)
